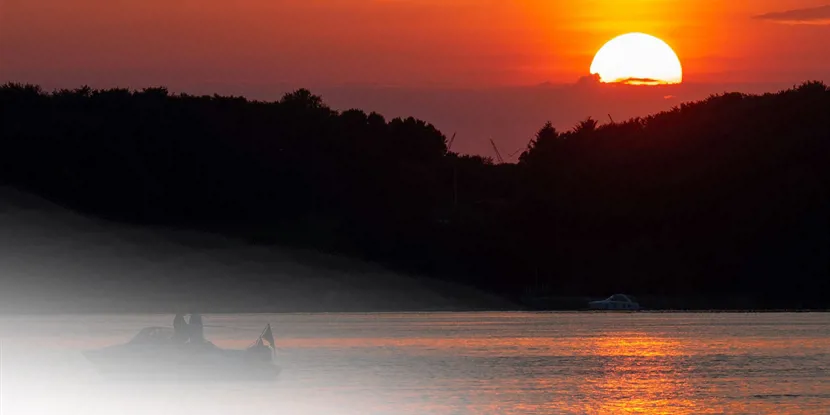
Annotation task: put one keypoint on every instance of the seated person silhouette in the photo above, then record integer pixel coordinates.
(195, 329)
(180, 329)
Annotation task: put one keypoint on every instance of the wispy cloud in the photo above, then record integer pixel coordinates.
(812, 16)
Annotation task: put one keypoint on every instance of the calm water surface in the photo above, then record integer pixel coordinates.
(448, 363)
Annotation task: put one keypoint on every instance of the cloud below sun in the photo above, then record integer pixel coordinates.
(810, 16)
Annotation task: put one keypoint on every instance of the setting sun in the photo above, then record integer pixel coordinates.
(637, 59)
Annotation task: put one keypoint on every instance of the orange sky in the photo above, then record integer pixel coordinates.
(470, 43)
(432, 49)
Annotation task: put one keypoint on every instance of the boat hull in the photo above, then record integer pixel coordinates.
(161, 364)
(613, 306)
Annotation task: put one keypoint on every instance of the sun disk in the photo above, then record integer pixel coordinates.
(637, 59)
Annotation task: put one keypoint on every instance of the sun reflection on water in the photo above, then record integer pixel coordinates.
(639, 374)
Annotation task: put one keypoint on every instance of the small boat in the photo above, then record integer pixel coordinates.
(159, 352)
(615, 302)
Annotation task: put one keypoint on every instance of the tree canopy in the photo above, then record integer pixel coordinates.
(728, 195)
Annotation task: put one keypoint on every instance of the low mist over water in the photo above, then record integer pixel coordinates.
(446, 363)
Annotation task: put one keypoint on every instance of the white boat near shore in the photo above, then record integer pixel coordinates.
(615, 302)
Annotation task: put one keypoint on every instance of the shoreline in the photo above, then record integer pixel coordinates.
(413, 312)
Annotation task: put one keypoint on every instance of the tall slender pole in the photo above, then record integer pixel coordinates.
(455, 186)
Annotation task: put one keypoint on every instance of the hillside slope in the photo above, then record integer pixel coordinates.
(57, 261)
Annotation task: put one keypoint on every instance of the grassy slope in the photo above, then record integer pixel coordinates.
(58, 261)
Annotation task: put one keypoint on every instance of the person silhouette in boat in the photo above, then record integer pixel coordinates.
(180, 329)
(196, 329)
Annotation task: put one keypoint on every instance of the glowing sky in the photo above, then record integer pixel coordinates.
(398, 42)
(346, 49)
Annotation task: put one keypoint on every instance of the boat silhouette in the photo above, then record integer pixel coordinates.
(162, 352)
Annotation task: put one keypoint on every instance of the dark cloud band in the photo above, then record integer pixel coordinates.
(812, 16)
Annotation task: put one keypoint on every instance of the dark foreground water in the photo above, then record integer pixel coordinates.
(447, 363)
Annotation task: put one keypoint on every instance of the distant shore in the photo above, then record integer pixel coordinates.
(9, 310)
(312, 297)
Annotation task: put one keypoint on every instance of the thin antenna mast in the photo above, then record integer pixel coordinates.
(496, 149)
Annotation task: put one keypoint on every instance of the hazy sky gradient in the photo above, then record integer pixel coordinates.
(394, 42)
(266, 47)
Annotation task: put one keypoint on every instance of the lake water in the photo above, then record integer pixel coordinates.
(447, 363)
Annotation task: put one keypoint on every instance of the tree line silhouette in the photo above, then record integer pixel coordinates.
(723, 197)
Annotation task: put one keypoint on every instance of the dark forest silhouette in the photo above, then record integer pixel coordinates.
(727, 196)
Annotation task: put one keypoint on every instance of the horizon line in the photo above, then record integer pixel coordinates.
(312, 85)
